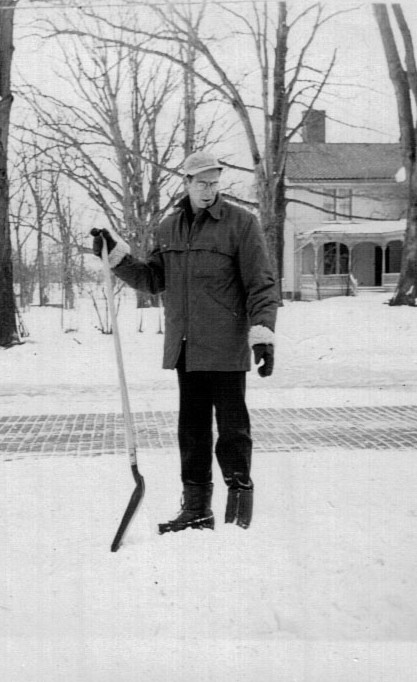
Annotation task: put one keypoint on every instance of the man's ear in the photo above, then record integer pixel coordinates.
(187, 181)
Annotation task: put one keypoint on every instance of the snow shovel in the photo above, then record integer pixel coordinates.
(139, 491)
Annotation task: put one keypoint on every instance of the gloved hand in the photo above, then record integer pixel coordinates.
(99, 235)
(265, 352)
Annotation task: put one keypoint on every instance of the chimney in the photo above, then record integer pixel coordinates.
(314, 126)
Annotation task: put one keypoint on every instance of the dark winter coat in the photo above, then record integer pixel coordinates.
(217, 282)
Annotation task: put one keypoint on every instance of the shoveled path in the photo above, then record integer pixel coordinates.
(352, 428)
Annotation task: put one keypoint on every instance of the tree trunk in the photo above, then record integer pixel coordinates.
(20, 275)
(67, 274)
(406, 291)
(280, 212)
(41, 267)
(64, 219)
(279, 127)
(8, 329)
(189, 99)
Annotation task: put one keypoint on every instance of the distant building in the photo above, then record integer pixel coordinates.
(355, 241)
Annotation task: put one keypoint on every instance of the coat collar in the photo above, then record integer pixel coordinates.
(214, 209)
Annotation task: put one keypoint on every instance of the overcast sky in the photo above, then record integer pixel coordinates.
(362, 96)
(361, 62)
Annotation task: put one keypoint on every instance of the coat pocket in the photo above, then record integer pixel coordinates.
(212, 263)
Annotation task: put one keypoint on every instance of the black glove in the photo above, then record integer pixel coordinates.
(99, 235)
(265, 352)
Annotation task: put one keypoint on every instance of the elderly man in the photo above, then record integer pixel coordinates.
(210, 261)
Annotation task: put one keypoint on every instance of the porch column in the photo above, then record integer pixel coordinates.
(350, 284)
(350, 249)
(316, 268)
(384, 249)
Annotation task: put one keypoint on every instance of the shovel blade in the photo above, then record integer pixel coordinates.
(130, 513)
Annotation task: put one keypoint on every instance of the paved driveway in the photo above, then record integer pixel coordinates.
(352, 428)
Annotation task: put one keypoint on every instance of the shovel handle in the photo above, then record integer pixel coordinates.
(119, 357)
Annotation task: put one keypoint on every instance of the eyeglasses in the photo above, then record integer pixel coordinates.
(201, 185)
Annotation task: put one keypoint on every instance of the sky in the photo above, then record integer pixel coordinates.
(362, 96)
(359, 103)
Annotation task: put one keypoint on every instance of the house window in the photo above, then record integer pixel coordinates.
(335, 259)
(338, 204)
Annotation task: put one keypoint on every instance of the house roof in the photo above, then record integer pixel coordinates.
(342, 161)
(365, 227)
(368, 230)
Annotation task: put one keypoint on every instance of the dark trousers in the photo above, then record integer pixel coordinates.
(200, 392)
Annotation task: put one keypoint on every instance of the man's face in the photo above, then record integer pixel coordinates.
(202, 188)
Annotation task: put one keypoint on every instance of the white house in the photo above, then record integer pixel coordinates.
(345, 217)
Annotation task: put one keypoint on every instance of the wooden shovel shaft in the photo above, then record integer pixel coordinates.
(119, 357)
(139, 491)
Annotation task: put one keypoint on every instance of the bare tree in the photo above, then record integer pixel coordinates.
(41, 213)
(280, 90)
(188, 56)
(404, 80)
(38, 182)
(19, 214)
(64, 218)
(8, 329)
(117, 154)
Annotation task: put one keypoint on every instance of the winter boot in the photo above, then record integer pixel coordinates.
(195, 510)
(239, 506)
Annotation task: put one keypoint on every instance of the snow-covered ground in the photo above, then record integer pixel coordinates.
(321, 588)
(337, 351)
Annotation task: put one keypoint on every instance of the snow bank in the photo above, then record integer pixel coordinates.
(337, 351)
(325, 575)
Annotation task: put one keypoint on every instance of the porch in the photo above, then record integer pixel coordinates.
(342, 259)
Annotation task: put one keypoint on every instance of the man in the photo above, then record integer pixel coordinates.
(210, 261)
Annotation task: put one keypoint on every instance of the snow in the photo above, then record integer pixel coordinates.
(321, 588)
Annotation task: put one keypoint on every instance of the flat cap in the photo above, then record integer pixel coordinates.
(198, 162)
